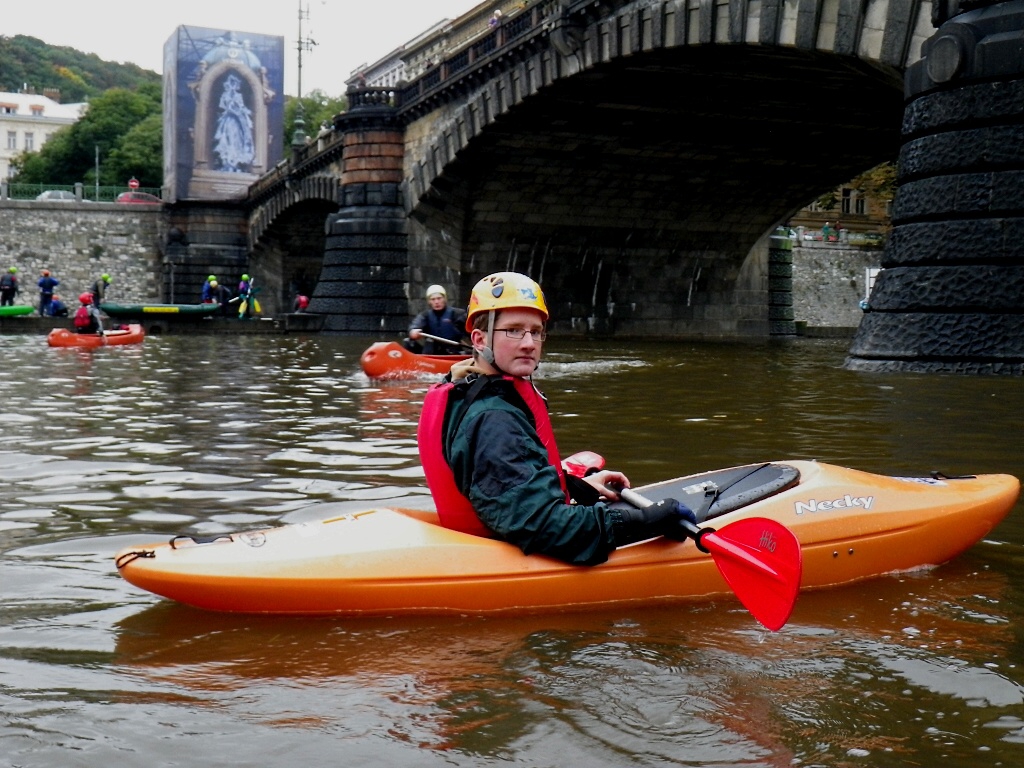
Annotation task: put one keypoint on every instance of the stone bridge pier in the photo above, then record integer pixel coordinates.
(362, 286)
(951, 295)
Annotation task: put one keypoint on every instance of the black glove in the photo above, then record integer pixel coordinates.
(663, 518)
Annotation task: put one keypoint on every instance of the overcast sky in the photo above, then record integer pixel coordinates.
(348, 33)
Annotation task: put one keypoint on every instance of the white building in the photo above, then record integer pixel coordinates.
(27, 120)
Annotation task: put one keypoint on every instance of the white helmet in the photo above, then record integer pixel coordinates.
(436, 289)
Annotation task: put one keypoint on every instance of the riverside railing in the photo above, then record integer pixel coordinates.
(82, 192)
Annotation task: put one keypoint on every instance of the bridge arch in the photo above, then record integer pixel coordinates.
(670, 136)
(286, 239)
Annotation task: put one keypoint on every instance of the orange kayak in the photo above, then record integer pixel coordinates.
(850, 525)
(62, 337)
(388, 360)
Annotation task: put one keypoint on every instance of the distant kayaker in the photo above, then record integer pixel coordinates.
(489, 452)
(46, 285)
(87, 317)
(8, 287)
(99, 289)
(440, 320)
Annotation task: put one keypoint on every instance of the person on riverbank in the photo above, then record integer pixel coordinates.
(8, 287)
(301, 303)
(208, 287)
(440, 320)
(220, 294)
(57, 307)
(87, 317)
(488, 448)
(99, 289)
(245, 307)
(46, 284)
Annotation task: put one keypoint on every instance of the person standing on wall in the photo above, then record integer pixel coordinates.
(46, 285)
(439, 320)
(8, 287)
(208, 287)
(99, 289)
(245, 305)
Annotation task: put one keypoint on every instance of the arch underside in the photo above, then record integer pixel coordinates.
(289, 254)
(637, 189)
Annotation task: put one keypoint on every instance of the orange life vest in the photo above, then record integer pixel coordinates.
(453, 508)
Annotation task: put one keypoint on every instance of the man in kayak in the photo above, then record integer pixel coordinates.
(439, 320)
(87, 317)
(489, 452)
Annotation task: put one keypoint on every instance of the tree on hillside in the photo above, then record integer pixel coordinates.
(79, 76)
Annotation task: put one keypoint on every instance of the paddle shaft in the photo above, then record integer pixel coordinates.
(633, 498)
(443, 340)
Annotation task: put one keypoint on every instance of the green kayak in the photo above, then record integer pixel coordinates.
(17, 309)
(141, 310)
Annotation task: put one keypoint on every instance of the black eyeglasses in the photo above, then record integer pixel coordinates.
(520, 333)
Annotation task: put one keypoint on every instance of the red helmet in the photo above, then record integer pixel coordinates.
(85, 298)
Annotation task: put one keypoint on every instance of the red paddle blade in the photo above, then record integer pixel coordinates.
(762, 562)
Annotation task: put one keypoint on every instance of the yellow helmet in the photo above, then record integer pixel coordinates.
(505, 290)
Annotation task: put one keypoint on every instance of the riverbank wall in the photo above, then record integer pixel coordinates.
(80, 242)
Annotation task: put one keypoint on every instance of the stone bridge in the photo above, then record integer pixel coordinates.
(634, 157)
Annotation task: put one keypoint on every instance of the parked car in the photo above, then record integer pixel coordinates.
(60, 195)
(143, 198)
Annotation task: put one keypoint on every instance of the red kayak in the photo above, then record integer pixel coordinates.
(388, 360)
(62, 337)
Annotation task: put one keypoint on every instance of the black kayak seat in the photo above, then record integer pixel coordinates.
(714, 493)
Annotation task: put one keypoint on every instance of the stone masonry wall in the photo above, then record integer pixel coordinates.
(829, 283)
(78, 243)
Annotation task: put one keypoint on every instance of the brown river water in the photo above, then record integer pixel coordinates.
(208, 434)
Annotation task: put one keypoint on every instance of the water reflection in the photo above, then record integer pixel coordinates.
(109, 448)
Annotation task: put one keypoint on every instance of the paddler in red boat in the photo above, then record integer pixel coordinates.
(489, 452)
(438, 320)
(87, 318)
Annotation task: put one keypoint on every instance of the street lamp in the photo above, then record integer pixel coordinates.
(97, 146)
(302, 44)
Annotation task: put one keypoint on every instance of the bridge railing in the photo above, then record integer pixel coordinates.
(511, 31)
(461, 62)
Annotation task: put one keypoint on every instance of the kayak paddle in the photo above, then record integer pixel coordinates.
(760, 559)
(444, 340)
